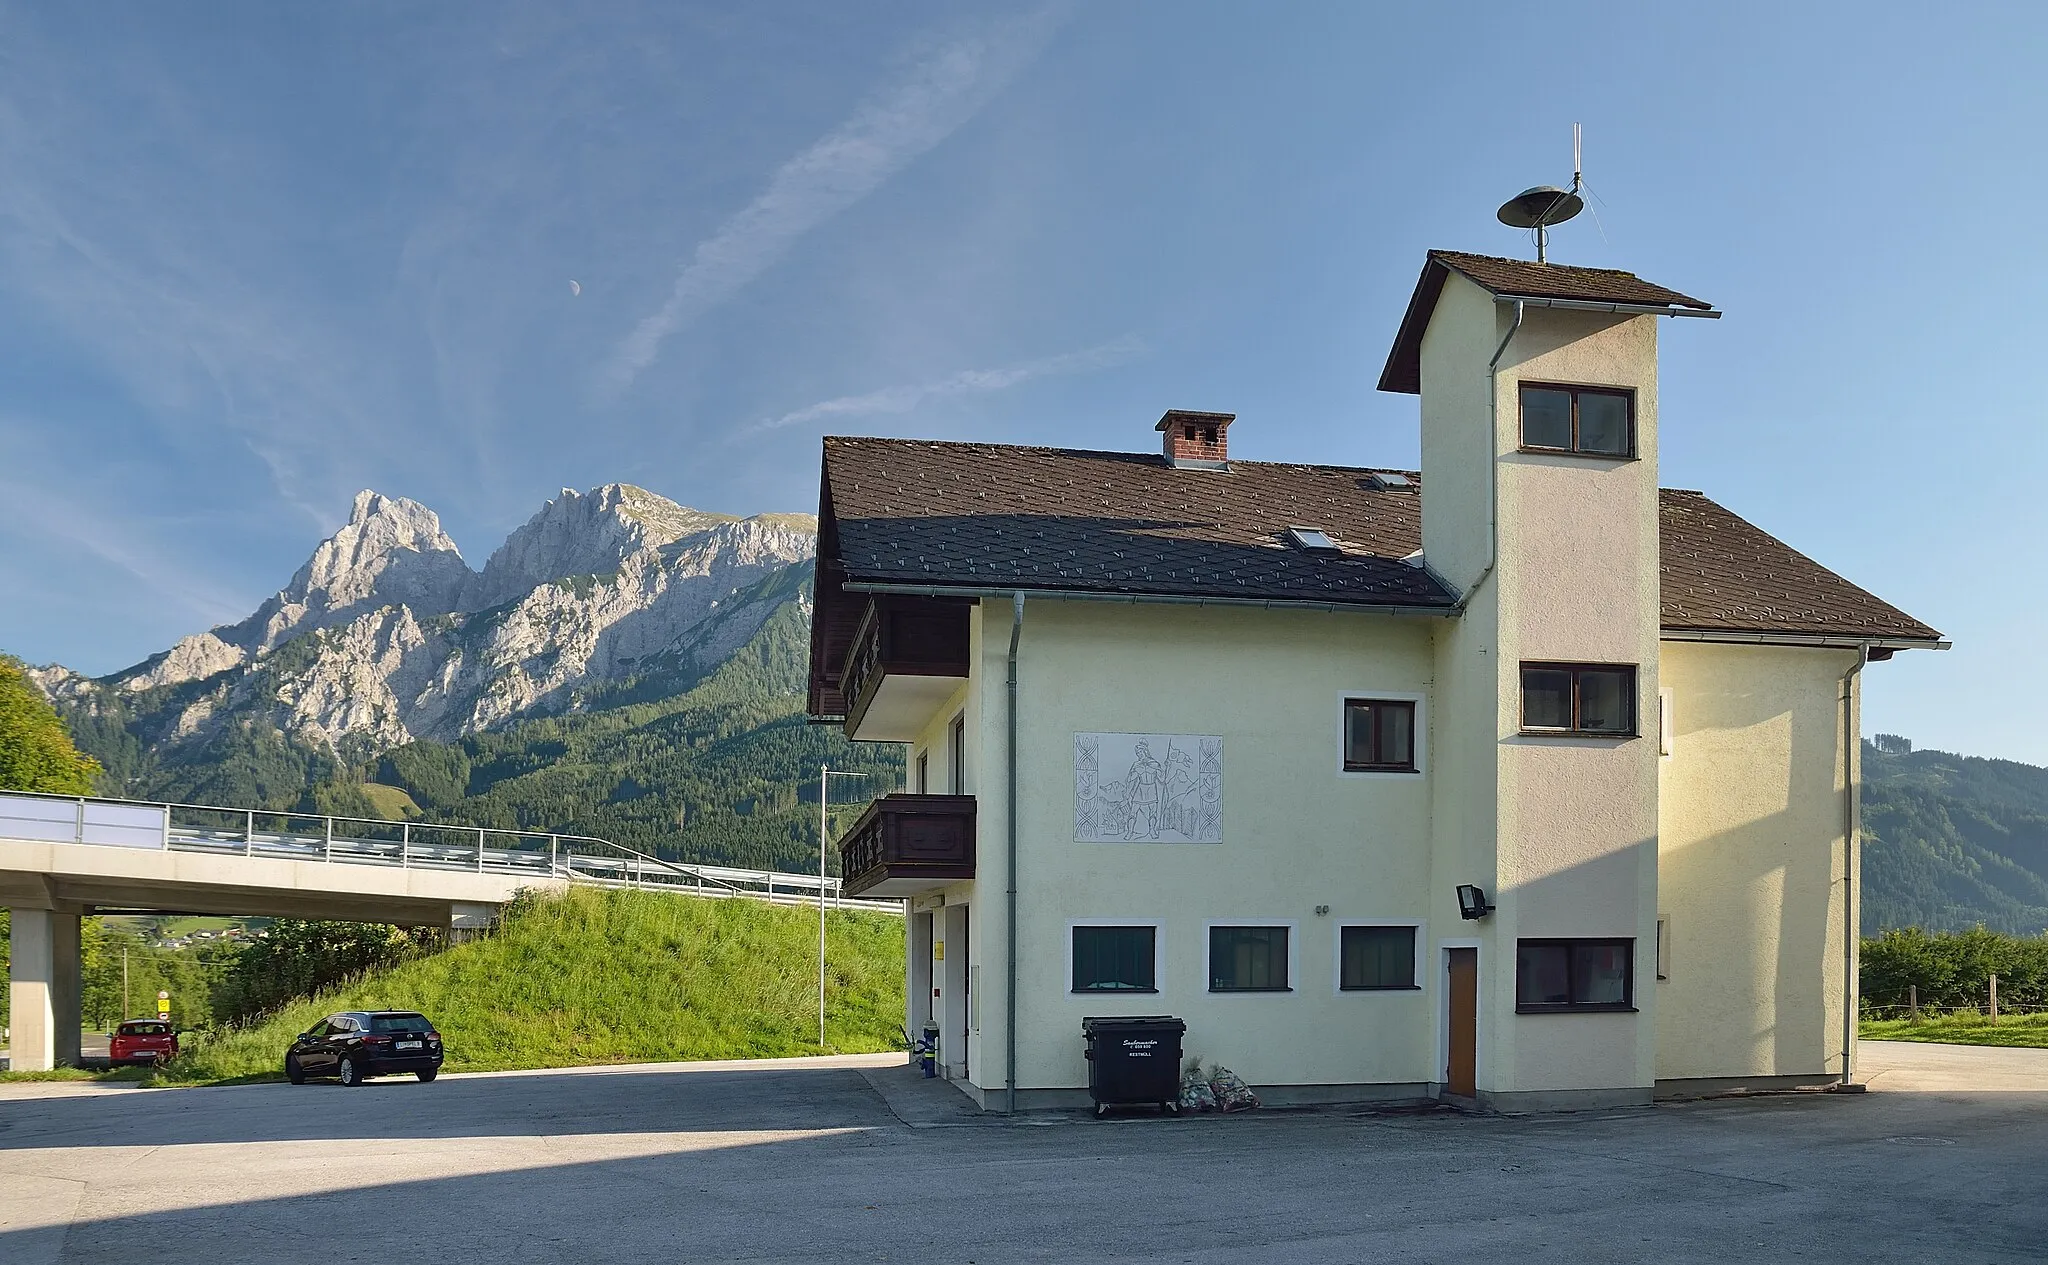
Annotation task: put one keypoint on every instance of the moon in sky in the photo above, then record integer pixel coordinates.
(574, 289)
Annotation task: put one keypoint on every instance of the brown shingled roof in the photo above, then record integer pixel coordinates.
(1002, 516)
(1563, 281)
(1724, 574)
(1517, 277)
(999, 516)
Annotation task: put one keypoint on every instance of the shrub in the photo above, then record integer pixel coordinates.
(1954, 968)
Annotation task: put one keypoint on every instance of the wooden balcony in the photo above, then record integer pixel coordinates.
(908, 656)
(906, 845)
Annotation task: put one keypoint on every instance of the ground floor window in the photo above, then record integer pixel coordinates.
(1375, 957)
(1557, 975)
(1248, 959)
(1115, 959)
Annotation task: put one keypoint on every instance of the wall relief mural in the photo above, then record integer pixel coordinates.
(1148, 788)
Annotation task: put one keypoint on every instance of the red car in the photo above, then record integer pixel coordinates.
(142, 1041)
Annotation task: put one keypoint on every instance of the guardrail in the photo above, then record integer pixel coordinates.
(257, 832)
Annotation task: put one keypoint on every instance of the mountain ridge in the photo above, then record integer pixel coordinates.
(386, 635)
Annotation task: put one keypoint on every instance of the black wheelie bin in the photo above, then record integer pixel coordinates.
(1134, 1059)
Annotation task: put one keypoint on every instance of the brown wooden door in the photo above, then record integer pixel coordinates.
(1460, 1075)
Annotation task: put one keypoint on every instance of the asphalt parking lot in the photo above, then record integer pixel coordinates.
(1946, 1159)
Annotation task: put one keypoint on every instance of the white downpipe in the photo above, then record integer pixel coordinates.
(1493, 457)
(1010, 806)
(1851, 820)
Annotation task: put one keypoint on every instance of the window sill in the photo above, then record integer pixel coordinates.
(1604, 734)
(1617, 457)
(1214, 989)
(1379, 988)
(1110, 992)
(1382, 768)
(1608, 1008)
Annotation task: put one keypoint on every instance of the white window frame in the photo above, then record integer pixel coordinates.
(1158, 956)
(1667, 727)
(1661, 964)
(1419, 975)
(1420, 736)
(1293, 926)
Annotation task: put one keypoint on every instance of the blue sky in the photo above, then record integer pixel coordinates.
(255, 257)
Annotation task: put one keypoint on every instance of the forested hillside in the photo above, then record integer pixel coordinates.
(726, 771)
(1951, 842)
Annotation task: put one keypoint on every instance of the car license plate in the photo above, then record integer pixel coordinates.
(408, 1045)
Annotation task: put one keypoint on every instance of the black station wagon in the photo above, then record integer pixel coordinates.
(354, 1045)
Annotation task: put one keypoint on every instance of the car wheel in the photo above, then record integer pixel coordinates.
(349, 1075)
(429, 1074)
(292, 1071)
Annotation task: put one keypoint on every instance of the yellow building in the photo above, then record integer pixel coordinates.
(1535, 790)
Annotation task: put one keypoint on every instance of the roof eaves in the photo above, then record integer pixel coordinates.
(1403, 371)
(1845, 640)
(1446, 606)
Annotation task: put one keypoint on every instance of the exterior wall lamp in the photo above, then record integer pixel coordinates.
(1472, 902)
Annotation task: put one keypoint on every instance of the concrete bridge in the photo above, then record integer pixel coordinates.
(63, 857)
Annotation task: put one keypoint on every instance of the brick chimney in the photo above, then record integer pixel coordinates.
(1199, 441)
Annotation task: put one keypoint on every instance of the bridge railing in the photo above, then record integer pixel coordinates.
(258, 832)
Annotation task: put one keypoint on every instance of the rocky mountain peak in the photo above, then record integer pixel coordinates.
(391, 551)
(402, 640)
(584, 533)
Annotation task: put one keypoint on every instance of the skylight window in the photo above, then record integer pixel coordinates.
(1312, 538)
(1389, 481)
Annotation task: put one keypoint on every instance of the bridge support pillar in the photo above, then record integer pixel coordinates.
(44, 990)
(467, 922)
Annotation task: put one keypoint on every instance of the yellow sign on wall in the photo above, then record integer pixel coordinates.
(938, 950)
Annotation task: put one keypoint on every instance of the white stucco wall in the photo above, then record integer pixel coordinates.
(1457, 450)
(1751, 862)
(1298, 833)
(1572, 835)
(1579, 581)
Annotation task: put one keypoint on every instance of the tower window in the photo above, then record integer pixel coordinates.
(1590, 421)
(1593, 700)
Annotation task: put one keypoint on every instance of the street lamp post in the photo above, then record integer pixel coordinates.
(825, 775)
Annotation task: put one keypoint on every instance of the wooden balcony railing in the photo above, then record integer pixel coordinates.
(906, 845)
(920, 643)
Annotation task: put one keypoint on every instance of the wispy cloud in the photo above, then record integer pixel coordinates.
(904, 399)
(100, 532)
(99, 234)
(925, 105)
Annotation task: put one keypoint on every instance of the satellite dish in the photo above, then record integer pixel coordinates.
(1543, 205)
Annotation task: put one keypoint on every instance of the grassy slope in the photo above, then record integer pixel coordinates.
(616, 977)
(391, 802)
